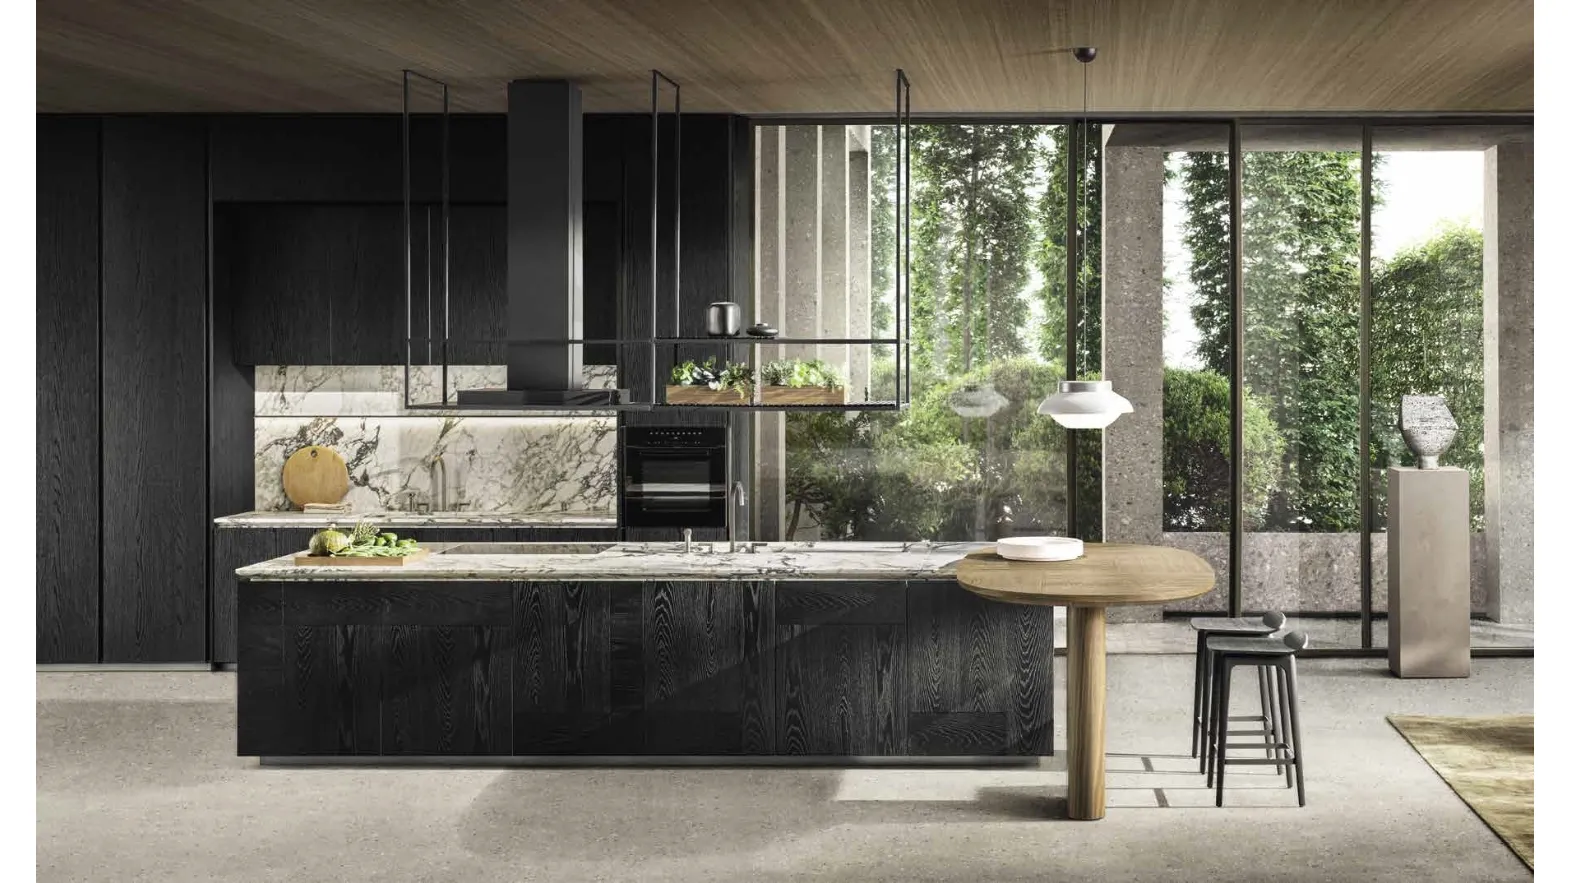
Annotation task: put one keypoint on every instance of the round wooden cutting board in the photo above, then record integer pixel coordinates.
(315, 474)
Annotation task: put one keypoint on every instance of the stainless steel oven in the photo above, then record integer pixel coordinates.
(673, 476)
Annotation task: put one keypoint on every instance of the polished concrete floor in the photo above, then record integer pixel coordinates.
(137, 780)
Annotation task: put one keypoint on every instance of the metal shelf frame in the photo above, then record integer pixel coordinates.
(437, 349)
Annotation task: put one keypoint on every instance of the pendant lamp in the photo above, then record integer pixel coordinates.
(1084, 404)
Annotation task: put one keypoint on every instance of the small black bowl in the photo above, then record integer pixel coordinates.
(763, 329)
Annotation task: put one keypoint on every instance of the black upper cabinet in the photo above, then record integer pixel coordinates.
(154, 349)
(356, 159)
(67, 403)
(324, 284)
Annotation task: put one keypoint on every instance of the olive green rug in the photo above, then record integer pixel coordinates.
(1488, 761)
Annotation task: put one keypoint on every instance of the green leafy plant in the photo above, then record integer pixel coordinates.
(364, 541)
(735, 376)
(798, 373)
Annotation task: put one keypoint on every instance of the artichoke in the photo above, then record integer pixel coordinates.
(328, 542)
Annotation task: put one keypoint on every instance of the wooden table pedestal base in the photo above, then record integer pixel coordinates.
(1087, 712)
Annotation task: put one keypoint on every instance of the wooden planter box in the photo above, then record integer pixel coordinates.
(803, 395)
(702, 395)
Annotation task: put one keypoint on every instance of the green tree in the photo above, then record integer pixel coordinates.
(1197, 453)
(1301, 299)
(1427, 339)
(1053, 252)
(975, 228)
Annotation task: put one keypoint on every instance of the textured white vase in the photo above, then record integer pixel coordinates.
(1428, 427)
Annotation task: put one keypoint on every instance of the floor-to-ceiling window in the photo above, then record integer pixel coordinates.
(970, 458)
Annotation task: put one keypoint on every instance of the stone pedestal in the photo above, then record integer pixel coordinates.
(1430, 573)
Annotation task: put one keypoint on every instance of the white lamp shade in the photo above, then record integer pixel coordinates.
(1084, 404)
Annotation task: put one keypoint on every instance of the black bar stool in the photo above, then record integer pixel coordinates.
(1280, 656)
(1242, 626)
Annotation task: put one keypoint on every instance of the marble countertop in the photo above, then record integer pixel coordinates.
(642, 561)
(415, 519)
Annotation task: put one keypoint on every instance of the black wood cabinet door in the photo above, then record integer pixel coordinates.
(67, 403)
(356, 159)
(477, 285)
(154, 349)
(578, 681)
(979, 676)
(840, 668)
(235, 547)
(273, 267)
(370, 318)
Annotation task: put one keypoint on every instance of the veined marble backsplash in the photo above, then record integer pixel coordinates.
(495, 461)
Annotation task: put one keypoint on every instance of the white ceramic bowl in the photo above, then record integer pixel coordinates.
(1041, 548)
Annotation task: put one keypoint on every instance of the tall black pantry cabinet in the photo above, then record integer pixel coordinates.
(67, 402)
(123, 376)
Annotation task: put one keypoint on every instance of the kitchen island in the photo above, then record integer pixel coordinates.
(640, 649)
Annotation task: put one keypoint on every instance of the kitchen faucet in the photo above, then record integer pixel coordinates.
(738, 500)
(438, 497)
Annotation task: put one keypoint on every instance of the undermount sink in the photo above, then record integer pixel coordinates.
(527, 549)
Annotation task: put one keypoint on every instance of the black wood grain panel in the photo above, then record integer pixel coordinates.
(446, 690)
(67, 404)
(579, 734)
(1030, 641)
(477, 286)
(231, 438)
(758, 680)
(964, 733)
(273, 268)
(234, 548)
(355, 159)
(316, 158)
(398, 603)
(260, 630)
(154, 289)
(558, 535)
(263, 710)
(692, 645)
(578, 681)
(361, 253)
(801, 601)
(841, 690)
(958, 649)
(293, 539)
(333, 681)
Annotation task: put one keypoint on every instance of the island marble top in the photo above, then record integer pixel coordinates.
(645, 561)
(415, 519)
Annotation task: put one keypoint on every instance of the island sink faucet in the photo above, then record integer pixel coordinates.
(738, 500)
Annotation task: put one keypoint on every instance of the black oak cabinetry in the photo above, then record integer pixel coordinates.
(67, 403)
(154, 406)
(236, 547)
(355, 158)
(654, 668)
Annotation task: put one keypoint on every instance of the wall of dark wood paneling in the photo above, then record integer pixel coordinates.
(154, 291)
(67, 403)
(654, 668)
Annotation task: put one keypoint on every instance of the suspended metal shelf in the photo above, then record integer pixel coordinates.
(436, 343)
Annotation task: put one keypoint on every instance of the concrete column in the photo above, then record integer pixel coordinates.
(1507, 381)
(1131, 350)
(768, 430)
(834, 217)
(802, 239)
(858, 259)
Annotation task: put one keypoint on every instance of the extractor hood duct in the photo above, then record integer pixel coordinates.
(544, 251)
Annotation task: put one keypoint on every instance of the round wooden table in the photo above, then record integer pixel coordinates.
(1109, 573)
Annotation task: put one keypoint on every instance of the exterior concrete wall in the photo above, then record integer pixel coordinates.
(1131, 354)
(1308, 572)
(858, 260)
(802, 240)
(768, 430)
(834, 216)
(1507, 380)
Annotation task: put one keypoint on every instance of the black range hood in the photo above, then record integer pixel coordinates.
(544, 252)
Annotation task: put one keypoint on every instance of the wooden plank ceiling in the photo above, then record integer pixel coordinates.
(792, 56)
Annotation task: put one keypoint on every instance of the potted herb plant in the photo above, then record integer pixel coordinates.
(695, 383)
(801, 382)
